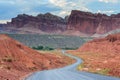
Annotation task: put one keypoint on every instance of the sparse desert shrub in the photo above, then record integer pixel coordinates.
(8, 67)
(32, 68)
(7, 59)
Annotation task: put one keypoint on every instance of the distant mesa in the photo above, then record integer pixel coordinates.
(78, 22)
(42, 23)
(90, 23)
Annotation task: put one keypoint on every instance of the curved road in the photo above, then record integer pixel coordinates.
(67, 73)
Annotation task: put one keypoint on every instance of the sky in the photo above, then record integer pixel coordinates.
(11, 8)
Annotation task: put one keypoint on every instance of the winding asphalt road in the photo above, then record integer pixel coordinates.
(67, 73)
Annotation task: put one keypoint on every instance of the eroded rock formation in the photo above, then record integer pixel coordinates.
(41, 23)
(90, 23)
(78, 23)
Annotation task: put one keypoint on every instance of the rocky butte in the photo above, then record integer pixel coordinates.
(77, 23)
(90, 23)
(42, 23)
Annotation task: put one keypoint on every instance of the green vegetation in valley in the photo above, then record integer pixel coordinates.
(67, 48)
(43, 48)
(49, 48)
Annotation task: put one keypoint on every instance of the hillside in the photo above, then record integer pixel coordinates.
(53, 41)
(17, 60)
(101, 55)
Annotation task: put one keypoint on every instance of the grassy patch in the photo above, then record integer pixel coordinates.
(80, 67)
(103, 71)
(59, 54)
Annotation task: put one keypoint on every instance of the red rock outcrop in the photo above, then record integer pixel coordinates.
(79, 23)
(37, 24)
(13, 52)
(90, 23)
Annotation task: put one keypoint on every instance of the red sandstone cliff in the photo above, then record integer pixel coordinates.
(42, 23)
(90, 23)
(78, 23)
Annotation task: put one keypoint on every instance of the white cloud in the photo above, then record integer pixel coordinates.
(59, 3)
(66, 6)
(109, 1)
(70, 4)
(106, 12)
(64, 13)
(26, 9)
(10, 8)
(4, 21)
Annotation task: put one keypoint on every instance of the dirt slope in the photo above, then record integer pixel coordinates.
(101, 55)
(16, 59)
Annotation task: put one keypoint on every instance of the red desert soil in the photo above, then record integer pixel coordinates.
(101, 55)
(18, 60)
